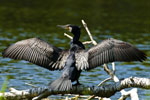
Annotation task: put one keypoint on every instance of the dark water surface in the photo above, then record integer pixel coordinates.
(127, 20)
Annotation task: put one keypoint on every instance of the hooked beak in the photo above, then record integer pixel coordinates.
(63, 27)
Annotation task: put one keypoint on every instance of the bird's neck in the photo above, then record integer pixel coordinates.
(75, 40)
(76, 36)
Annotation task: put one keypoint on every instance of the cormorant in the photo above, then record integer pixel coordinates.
(70, 73)
(45, 55)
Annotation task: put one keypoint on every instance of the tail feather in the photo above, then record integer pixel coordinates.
(61, 84)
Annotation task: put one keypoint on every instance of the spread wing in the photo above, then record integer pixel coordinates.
(82, 60)
(38, 52)
(109, 50)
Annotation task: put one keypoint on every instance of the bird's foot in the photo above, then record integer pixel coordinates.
(77, 83)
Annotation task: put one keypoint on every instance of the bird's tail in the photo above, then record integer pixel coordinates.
(61, 84)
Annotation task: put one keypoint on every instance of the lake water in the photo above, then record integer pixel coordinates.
(22, 19)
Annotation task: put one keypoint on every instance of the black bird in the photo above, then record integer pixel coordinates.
(70, 73)
(45, 55)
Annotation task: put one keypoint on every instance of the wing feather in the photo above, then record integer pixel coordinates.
(38, 52)
(81, 60)
(111, 50)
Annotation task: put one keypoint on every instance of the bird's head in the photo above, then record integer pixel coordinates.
(71, 28)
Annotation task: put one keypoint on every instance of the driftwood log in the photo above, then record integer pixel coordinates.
(102, 91)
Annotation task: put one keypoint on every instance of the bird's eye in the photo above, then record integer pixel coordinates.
(67, 28)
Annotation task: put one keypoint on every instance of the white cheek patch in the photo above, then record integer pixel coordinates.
(70, 29)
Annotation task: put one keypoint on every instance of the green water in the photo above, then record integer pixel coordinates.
(125, 20)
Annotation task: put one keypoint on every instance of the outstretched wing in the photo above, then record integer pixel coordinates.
(38, 52)
(109, 50)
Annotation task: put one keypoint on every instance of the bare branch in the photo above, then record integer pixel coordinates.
(90, 35)
(104, 81)
(102, 91)
(70, 37)
(87, 42)
(132, 93)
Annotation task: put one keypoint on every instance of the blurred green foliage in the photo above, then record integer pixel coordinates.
(4, 87)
